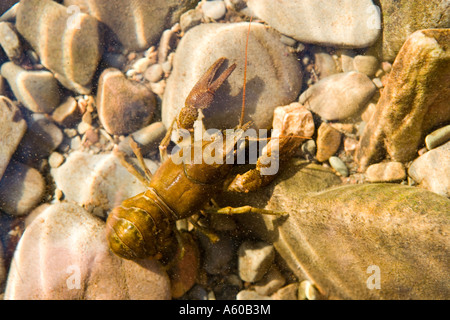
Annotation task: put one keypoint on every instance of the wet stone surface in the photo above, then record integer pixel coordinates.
(359, 109)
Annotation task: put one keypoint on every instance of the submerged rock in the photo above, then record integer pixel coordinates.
(12, 129)
(21, 189)
(137, 24)
(67, 44)
(63, 254)
(97, 180)
(341, 96)
(273, 75)
(401, 18)
(37, 90)
(341, 23)
(123, 105)
(414, 101)
(431, 170)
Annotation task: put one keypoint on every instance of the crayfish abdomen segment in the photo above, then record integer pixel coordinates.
(138, 229)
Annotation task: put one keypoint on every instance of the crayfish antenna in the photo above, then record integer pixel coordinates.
(241, 120)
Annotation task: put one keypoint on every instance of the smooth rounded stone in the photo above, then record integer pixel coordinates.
(217, 254)
(190, 19)
(10, 42)
(214, 9)
(324, 63)
(431, 170)
(413, 102)
(64, 255)
(346, 59)
(254, 260)
(307, 291)
(183, 274)
(309, 149)
(386, 172)
(42, 138)
(366, 64)
(437, 137)
(271, 282)
(97, 180)
(404, 17)
(154, 73)
(341, 96)
(55, 160)
(142, 64)
(250, 295)
(340, 23)
(67, 113)
(21, 189)
(338, 165)
(292, 119)
(66, 41)
(273, 74)
(402, 230)
(123, 105)
(148, 138)
(129, 20)
(37, 90)
(288, 292)
(328, 142)
(12, 129)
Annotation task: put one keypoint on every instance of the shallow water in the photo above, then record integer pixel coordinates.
(361, 88)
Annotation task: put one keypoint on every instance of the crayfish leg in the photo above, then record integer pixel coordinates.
(130, 167)
(244, 209)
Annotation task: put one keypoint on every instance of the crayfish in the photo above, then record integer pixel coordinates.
(144, 226)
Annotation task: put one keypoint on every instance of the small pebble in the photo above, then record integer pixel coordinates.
(67, 113)
(328, 142)
(378, 83)
(271, 282)
(250, 295)
(154, 73)
(366, 64)
(42, 137)
(339, 166)
(142, 64)
(214, 9)
(83, 127)
(10, 42)
(386, 172)
(289, 292)
(21, 189)
(37, 90)
(307, 291)
(437, 137)
(309, 149)
(254, 260)
(190, 19)
(12, 129)
(55, 160)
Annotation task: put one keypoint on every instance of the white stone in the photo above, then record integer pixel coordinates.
(345, 23)
(63, 254)
(97, 180)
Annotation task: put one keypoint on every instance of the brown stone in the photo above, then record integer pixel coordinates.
(328, 142)
(124, 106)
(67, 45)
(414, 101)
(12, 129)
